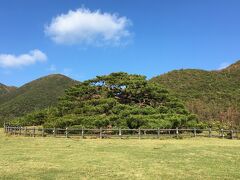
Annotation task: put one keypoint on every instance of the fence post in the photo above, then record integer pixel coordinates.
(43, 132)
(82, 133)
(34, 132)
(139, 133)
(195, 132)
(25, 131)
(210, 132)
(4, 125)
(222, 134)
(20, 131)
(66, 132)
(120, 132)
(158, 133)
(100, 135)
(177, 131)
(14, 131)
(54, 132)
(232, 134)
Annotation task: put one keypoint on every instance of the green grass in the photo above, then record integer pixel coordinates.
(60, 158)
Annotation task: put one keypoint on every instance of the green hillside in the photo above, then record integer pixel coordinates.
(6, 89)
(38, 94)
(212, 95)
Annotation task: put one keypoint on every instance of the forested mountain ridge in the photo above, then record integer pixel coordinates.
(6, 89)
(38, 94)
(212, 95)
(233, 67)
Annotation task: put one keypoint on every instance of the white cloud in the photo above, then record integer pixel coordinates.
(88, 27)
(223, 65)
(13, 61)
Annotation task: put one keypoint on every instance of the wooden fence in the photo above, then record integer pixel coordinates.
(121, 133)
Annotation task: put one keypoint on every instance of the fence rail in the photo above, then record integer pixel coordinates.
(121, 133)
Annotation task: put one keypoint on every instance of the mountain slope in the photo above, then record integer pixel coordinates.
(6, 89)
(212, 95)
(35, 95)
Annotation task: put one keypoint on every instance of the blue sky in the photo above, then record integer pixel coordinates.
(83, 39)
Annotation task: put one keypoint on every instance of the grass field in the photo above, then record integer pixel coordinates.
(60, 158)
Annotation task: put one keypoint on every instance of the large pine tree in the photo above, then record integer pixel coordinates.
(119, 100)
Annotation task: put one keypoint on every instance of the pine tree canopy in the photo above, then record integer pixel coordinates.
(118, 100)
